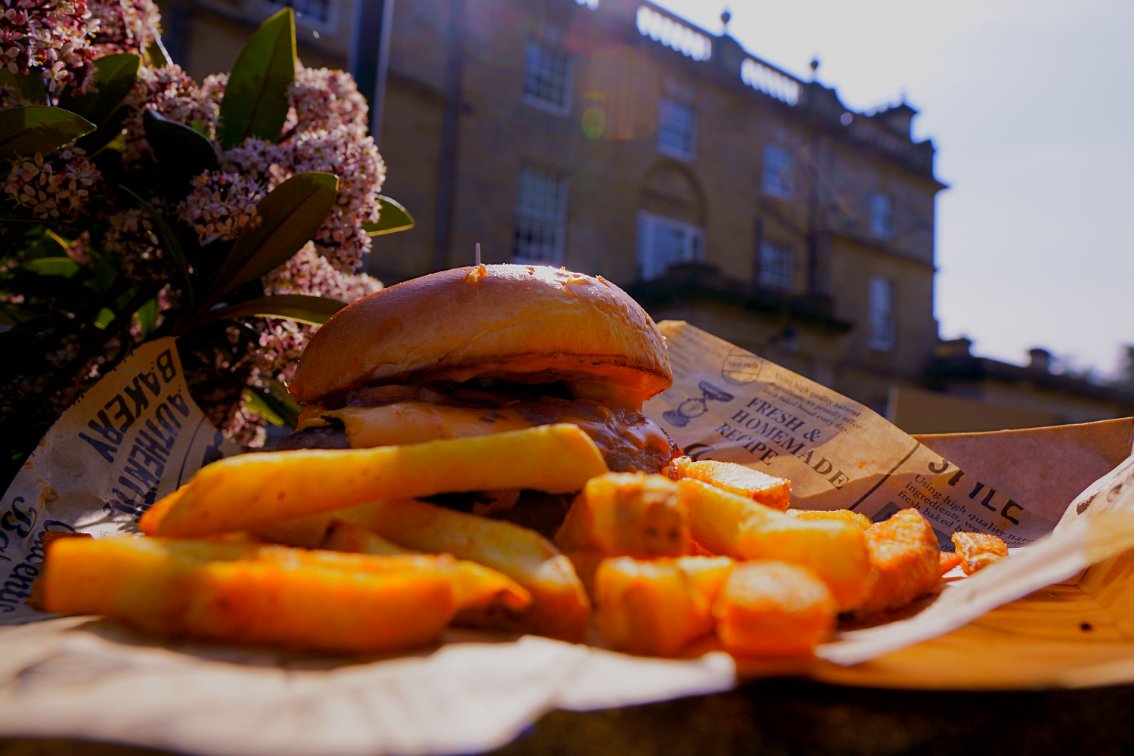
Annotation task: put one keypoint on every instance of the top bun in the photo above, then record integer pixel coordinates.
(518, 322)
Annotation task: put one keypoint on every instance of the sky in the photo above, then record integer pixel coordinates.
(1030, 104)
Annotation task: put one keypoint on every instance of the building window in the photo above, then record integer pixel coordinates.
(541, 217)
(777, 269)
(881, 215)
(664, 242)
(675, 129)
(777, 171)
(883, 314)
(310, 12)
(547, 77)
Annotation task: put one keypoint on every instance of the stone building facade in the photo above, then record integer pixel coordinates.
(615, 138)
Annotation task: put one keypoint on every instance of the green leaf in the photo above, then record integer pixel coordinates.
(172, 246)
(104, 318)
(30, 86)
(254, 401)
(147, 317)
(289, 216)
(114, 78)
(392, 218)
(64, 267)
(156, 54)
(305, 309)
(273, 402)
(39, 128)
(180, 149)
(255, 99)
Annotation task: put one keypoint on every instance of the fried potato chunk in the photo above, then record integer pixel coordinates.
(657, 607)
(741, 480)
(252, 490)
(978, 550)
(560, 607)
(475, 587)
(906, 560)
(627, 514)
(836, 515)
(730, 525)
(947, 561)
(245, 593)
(772, 608)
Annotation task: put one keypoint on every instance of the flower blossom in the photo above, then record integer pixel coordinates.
(50, 38)
(221, 205)
(56, 187)
(124, 26)
(172, 94)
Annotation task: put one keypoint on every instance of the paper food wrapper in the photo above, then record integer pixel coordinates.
(1059, 612)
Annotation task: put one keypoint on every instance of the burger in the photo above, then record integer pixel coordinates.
(486, 349)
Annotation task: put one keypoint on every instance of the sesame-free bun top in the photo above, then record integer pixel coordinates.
(525, 323)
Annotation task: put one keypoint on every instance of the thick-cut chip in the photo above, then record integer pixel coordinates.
(347, 536)
(947, 561)
(251, 490)
(627, 514)
(744, 481)
(475, 586)
(978, 550)
(149, 521)
(560, 607)
(838, 515)
(244, 593)
(731, 525)
(906, 560)
(771, 608)
(657, 607)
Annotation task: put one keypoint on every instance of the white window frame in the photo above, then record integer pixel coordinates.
(653, 259)
(778, 170)
(539, 235)
(777, 266)
(881, 299)
(677, 129)
(881, 215)
(541, 64)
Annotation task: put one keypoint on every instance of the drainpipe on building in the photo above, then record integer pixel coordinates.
(450, 132)
(370, 55)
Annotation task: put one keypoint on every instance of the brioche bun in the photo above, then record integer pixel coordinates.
(523, 323)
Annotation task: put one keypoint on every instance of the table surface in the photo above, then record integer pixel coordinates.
(798, 716)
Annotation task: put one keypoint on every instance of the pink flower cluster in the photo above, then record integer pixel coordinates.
(125, 26)
(171, 93)
(51, 37)
(57, 187)
(221, 205)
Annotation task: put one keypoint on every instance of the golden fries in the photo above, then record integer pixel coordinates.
(251, 490)
(731, 525)
(252, 594)
(627, 514)
(560, 607)
(744, 481)
(906, 562)
(837, 515)
(771, 608)
(658, 606)
(978, 550)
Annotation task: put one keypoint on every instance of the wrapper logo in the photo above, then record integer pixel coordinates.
(691, 409)
(741, 368)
